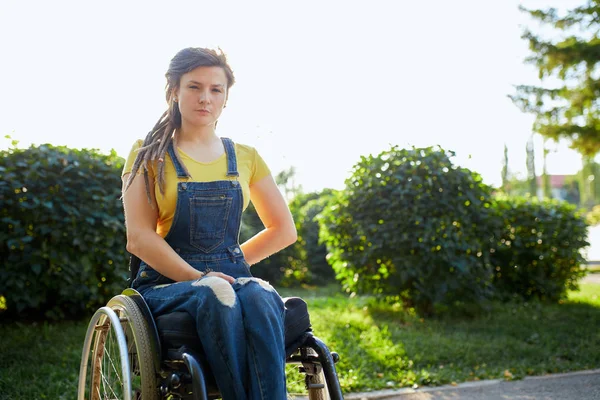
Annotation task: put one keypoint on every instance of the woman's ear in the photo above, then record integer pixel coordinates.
(174, 95)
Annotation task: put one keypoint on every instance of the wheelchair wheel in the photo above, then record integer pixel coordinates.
(116, 362)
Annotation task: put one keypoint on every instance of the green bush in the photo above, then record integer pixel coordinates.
(593, 216)
(285, 268)
(63, 236)
(303, 262)
(538, 254)
(413, 225)
(315, 253)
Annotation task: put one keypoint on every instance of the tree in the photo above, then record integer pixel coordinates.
(518, 186)
(531, 177)
(286, 180)
(589, 181)
(505, 171)
(547, 188)
(570, 110)
(571, 188)
(307, 209)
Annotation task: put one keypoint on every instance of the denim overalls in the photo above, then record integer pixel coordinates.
(240, 325)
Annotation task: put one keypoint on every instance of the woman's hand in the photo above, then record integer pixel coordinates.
(228, 278)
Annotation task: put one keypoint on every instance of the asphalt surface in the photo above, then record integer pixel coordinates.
(584, 385)
(591, 278)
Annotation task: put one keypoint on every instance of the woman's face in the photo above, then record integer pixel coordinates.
(201, 96)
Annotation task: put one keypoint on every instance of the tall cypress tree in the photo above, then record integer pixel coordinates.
(546, 186)
(571, 109)
(505, 171)
(531, 176)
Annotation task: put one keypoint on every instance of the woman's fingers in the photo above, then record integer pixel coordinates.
(228, 278)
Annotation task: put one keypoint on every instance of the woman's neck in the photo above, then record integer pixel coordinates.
(202, 135)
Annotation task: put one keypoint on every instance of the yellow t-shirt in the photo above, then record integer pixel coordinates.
(250, 164)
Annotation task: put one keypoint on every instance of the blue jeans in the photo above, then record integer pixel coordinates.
(240, 327)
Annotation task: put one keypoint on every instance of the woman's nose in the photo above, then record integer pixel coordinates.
(204, 97)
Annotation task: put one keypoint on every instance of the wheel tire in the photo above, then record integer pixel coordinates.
(141, 364)
(104, 366)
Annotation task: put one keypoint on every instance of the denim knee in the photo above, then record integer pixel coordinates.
(221, 289)
(256, 292)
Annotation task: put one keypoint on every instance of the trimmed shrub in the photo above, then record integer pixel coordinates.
(284, 268)
(538, 254)
(303, 262)
(63, 236)
(412, 224)
(307, 208)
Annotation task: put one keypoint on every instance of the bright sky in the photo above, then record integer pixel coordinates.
(319, 83)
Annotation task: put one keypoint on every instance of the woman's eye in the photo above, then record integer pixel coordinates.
(217, 90)
(193, 87)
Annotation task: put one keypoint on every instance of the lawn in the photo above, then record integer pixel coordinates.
(381, 346)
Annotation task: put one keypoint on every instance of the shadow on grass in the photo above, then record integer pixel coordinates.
(40, 360)
(509, 341)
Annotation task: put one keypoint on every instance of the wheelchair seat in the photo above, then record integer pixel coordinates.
(178, 329)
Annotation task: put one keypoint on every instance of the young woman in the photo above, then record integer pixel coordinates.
(184, 190)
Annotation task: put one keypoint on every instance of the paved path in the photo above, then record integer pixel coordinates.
(583, 385)
(592, 278)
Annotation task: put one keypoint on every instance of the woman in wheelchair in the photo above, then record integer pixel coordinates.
(184, 190)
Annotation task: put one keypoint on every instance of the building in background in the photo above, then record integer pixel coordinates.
(562, 187)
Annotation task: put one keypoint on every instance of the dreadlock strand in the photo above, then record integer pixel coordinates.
(146, 153)
(139, 159)
(161, 150)
(161, 120)
(147, 184)
(179, 158)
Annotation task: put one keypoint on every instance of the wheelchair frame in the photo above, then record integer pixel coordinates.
(179, 373)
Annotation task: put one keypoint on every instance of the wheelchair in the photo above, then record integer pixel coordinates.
(129, 355)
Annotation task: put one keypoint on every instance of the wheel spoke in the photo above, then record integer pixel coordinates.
(109, 386)
(114, 368)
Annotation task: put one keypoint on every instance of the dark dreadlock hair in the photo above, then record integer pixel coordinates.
(158, 139)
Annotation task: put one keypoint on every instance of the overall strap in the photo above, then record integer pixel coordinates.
(231, 159)
(178, 167)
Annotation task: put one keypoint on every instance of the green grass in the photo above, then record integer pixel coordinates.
(40, 361)
(381, 346)
(593, 268)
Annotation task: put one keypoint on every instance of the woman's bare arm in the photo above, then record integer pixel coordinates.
(275, 215)
(143, 241)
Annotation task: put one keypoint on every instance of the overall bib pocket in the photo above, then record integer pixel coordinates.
(209, 216)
